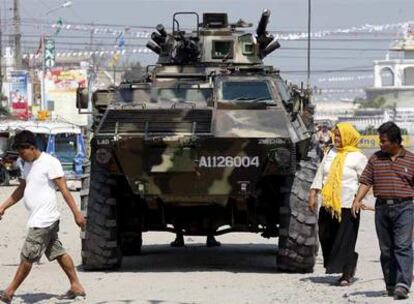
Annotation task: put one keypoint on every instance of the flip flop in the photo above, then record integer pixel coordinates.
(71, 295)
(5, 298)
(344, 282)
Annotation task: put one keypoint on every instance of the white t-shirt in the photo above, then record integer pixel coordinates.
(40, 193)
(354, 164)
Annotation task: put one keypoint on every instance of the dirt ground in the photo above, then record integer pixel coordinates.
(242, 270)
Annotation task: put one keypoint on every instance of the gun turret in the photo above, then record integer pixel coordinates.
(214, 41)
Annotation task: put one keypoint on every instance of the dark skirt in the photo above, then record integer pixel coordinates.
(338, 240)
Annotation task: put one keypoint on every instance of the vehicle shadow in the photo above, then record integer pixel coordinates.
(245, 258)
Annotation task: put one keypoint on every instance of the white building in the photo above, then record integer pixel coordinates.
(330, 110)
(364, 118)
(394, 78)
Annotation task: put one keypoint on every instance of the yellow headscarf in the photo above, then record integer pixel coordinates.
(331, 191)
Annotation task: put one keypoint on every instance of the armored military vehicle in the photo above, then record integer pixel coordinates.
(210, 141)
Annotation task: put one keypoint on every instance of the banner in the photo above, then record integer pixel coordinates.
(50, 53)
(19, 97)
(60, 88)
(65, 80)
(373, 142)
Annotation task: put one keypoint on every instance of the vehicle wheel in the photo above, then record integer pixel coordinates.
(100, 240)
(298, 233)
(4, 177)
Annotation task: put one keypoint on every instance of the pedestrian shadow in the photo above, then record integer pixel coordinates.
(141, 301)
(368, 293)
(36, 297)
(327, 279)
(244, 258)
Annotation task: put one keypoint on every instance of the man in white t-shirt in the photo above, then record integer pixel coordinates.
(42, 173)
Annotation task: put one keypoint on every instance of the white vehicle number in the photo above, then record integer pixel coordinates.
(228, 161)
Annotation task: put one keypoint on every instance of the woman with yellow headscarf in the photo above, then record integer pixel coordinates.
(337, 183)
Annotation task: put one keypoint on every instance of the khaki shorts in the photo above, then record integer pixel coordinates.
(41, 241)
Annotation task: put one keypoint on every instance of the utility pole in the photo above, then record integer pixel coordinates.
(309, 45)
(17, 35)
(1, 55)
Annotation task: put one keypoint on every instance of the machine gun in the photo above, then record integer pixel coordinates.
(159, 39)
(186, 50)
(180, 49)
(266, 41)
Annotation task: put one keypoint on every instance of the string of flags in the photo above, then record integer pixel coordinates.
(366, 28)
(100, 30)
(120, 46)
(121, 37)
(345, 78)
(140, 50)
(58, 26)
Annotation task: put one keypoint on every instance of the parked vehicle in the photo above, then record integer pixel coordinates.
(63, 140)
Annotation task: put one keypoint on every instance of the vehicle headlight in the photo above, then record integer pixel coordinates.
(103, 156)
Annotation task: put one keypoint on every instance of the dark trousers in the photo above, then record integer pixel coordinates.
(338, 240)
(394, 225)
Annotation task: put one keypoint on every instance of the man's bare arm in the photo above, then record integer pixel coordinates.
(70, 201)
(312, 199)
(357, 203)
(16, 196)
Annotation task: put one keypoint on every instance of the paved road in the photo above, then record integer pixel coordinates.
(241, 271)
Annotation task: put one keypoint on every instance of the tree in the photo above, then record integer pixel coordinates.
(3, 110)
(378, 102)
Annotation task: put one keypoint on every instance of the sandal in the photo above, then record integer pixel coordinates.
(344, 281)
(4, 298)
(71, 295)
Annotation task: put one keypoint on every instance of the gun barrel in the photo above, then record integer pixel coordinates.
(274, 45)
(158, 38)
(161, 29)
(154, 47)
(264, 20)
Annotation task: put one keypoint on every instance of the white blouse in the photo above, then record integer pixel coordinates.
(354, 164)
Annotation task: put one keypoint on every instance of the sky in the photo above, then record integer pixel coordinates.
(287, 15)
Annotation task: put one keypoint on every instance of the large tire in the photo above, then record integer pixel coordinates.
(100, 240)
(298, 233)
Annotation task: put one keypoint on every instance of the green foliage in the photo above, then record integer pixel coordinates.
(378, 102)
(370, 130)
(3, 110)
